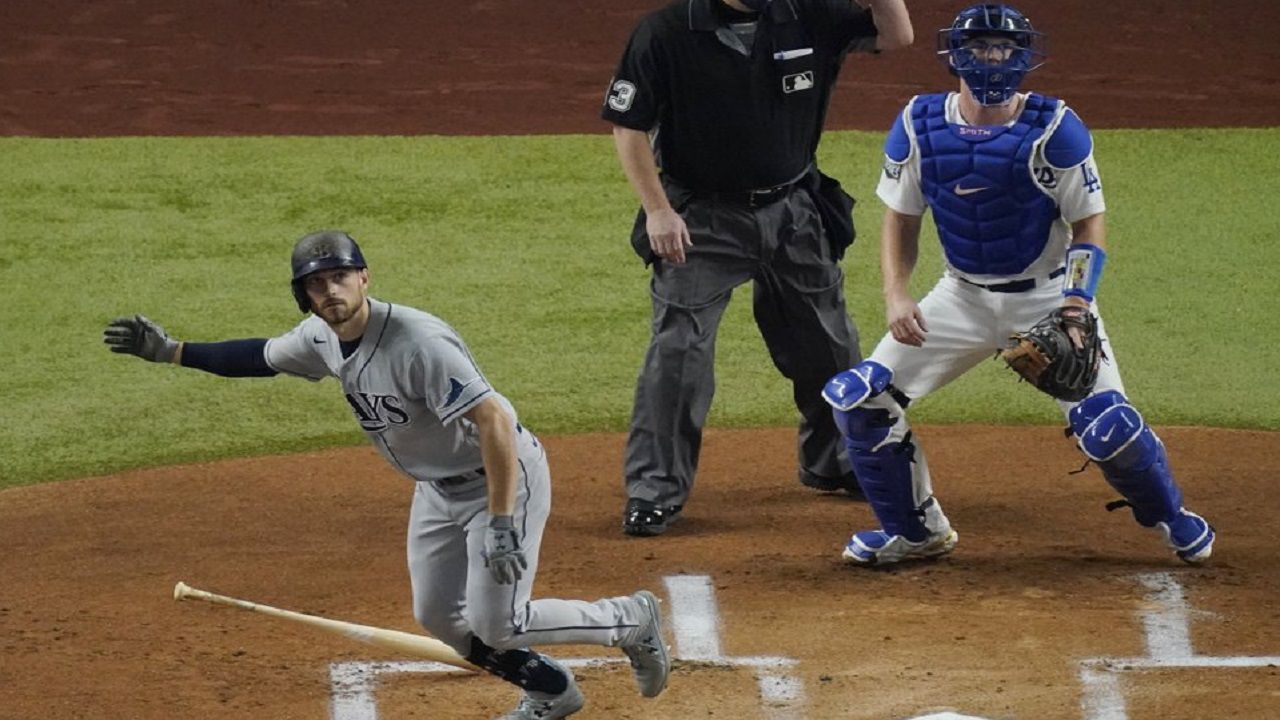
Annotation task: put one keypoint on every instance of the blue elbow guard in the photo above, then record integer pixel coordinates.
(1084, 270)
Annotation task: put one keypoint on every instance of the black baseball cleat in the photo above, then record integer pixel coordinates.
(644, 519)
(846, 483)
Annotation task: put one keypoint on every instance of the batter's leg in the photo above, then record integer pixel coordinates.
(438, 566)
(505, 618)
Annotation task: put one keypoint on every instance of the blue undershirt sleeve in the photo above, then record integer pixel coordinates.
(232, 358)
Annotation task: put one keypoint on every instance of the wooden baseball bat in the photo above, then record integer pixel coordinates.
(417, 645)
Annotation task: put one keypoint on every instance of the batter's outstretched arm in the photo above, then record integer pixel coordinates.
(140, 336)
(668, 236)
(899, 251)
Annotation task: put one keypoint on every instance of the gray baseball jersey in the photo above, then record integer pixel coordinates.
(410, 382)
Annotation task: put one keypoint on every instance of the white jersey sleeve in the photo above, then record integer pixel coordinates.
(899, 186)
(448, 377)
(300, 351)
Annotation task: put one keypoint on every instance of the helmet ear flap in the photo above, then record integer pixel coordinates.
(300, 294)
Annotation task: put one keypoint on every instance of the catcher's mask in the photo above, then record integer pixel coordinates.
(976, 48)
(322, 251)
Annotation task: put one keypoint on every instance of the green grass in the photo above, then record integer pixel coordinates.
(521, 243)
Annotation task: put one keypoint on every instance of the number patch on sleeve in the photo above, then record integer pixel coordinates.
(621, 94)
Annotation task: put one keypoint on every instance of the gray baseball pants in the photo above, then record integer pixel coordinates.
(799, 306)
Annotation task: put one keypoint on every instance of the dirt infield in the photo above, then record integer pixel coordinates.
(1043, 579)
(1050, 607)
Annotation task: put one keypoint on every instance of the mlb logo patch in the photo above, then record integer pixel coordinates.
(797, 82)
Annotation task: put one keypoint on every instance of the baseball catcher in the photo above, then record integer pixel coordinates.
(1011, 182)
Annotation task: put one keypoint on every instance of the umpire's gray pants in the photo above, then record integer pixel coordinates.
(800, 310)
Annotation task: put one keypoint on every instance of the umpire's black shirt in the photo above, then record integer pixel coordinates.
(730, 116)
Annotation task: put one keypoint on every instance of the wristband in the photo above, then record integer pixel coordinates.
(1084, 270)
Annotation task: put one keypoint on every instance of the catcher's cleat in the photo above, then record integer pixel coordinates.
(650, 660)
(544, 706)
(877, 547)
(1189, 535)
(643, 518)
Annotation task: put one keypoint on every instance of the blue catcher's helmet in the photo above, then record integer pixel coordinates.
(991, 72)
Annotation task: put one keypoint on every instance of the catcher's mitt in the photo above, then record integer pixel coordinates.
(1046, 357)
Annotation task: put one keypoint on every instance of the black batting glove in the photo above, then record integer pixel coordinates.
(139, 336)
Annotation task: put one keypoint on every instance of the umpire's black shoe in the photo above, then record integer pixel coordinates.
(643, 518)
(847, 483)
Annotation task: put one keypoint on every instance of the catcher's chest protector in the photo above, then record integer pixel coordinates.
(992, 218)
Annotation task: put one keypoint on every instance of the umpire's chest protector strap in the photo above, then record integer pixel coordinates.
(992, 217)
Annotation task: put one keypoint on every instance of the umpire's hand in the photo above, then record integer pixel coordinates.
(668, 235)
(139, 336)
(502, 553)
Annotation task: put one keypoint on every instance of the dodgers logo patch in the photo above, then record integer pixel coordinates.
(797, 82)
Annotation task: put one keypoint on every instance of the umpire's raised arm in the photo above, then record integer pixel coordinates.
(893, 23)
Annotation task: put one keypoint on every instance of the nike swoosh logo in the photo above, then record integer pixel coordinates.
(962, 191)
(318, 341)
(1107, 437)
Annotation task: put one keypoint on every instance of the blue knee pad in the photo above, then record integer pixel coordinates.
(1112, 433)
(883, 469)
(850, 388)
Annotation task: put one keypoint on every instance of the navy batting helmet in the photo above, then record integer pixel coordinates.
(318, 251)
(992, 73)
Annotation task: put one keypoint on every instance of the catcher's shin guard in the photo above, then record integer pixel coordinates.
(1112, 433)
(883, 459)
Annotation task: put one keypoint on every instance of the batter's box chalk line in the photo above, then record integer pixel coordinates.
(695, 629)
(1167, 621)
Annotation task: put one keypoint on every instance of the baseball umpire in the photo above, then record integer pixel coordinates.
(482, 486)
(1017, 200)
(718, 108)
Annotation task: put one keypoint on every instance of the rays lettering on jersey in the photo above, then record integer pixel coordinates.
(375, 411)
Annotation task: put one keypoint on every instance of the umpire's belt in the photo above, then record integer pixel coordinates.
(1016, 286)
(465, 477)
(751, 198)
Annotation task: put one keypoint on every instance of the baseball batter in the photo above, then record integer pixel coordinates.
(1017, 200)
(482, 488)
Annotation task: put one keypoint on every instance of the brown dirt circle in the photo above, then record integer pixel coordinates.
(1042, 579)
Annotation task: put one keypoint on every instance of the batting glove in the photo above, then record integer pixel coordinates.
(502, 553)
(139, 336)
